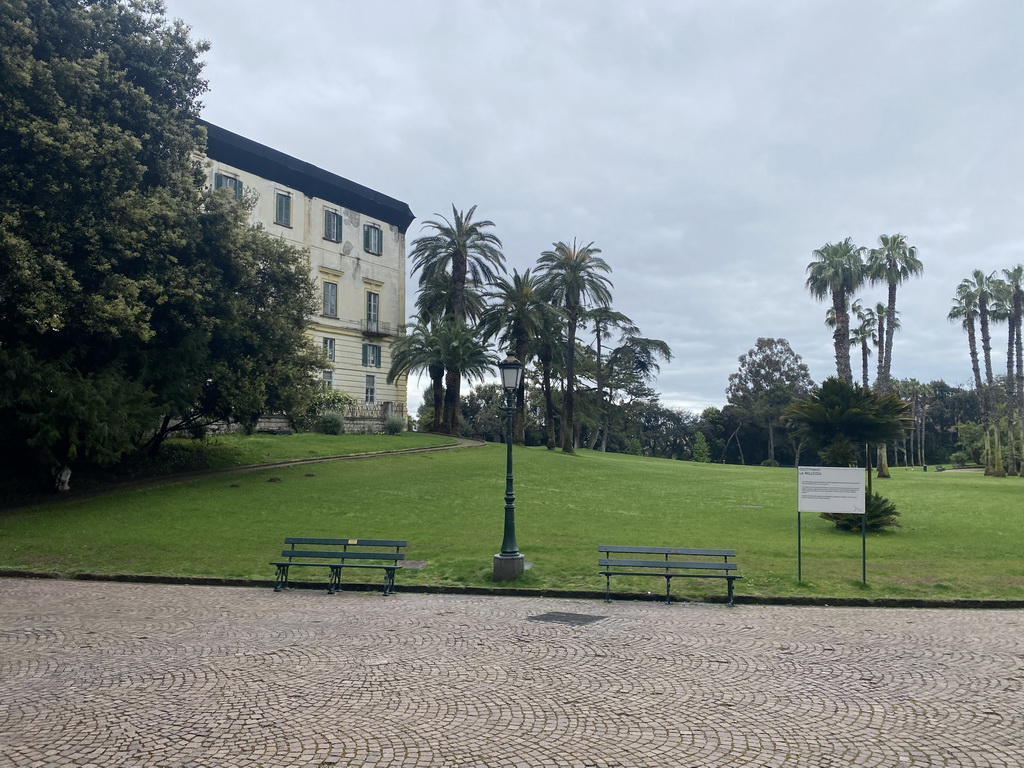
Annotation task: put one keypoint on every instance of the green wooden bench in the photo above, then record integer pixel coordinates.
(337, 554)
(714, 564)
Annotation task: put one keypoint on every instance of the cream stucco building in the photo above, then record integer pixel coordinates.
(355, 238)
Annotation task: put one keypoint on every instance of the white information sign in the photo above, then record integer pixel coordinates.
(831, 489)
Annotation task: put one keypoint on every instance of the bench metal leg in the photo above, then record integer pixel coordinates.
(281, 578)
(334, 585)
(668, 589)
(607, 588)
(730, 603)
(389, 581)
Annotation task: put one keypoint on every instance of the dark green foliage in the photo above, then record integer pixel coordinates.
(880, 513)
(839, 413)
(394, 425)
(132, 302)
(770, 377)
(331, 424)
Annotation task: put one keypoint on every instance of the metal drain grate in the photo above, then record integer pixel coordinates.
(573, 619)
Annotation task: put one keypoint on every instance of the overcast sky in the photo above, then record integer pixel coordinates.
(707, 148)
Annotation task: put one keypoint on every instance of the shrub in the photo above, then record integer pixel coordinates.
(331, 424)
(394, 425)
(328, 401)
(769, 463)
(880, 513)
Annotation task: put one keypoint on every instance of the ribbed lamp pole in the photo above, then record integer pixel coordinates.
(509, 563)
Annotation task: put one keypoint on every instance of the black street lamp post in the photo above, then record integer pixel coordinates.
(509, 563)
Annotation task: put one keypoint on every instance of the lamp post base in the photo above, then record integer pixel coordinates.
(508, 567)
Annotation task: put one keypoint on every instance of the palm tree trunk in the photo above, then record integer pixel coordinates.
(549, 400)
(890, 331)
(436, 373)
(568, 414)
(519, 436)
(453, 384)
(841, 337)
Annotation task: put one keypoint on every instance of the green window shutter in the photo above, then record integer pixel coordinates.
(378, 356)
(238, 190)
(365, 353)
(218, 180)
(366, 237)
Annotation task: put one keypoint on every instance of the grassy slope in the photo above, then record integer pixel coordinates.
(961, 538)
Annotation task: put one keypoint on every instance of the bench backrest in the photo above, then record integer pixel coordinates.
(669, 558)
(344, 552)
(669, 565)
(666, 551)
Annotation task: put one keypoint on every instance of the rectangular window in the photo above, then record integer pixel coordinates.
(330, 299)
(332, 226)
(329, 348)
(283, 209)
(220, 181)
(373, 239)
(371, 389)
(328, 379)
(372, 311)
(371, 355)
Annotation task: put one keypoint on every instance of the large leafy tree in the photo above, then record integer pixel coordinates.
(471, 256)
(836, 274)
(770, 377)
(131, 300)
(573, 278)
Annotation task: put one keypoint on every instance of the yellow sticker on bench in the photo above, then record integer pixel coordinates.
(353, 541)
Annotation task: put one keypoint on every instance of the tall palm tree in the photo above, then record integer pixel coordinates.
(1001, 311)
(965, 309)
(1015, 281)
(431, 306)
(463, 354)
(837, 273)
(572, 279)
(892, 263)
(549, 347)
(420, 350)
(864, 335)
(983, 287)
(636, 358)
(471, 255)
(515, 315)
(604, 319)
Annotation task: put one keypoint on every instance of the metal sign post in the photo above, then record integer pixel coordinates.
(838, 490)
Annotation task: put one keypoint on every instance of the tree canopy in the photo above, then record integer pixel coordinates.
(132, 299)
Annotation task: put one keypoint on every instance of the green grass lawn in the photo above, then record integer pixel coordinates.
(962, 533)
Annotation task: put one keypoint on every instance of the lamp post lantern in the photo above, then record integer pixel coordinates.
(509, 563)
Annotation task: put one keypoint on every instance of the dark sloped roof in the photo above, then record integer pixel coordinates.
(247, 155)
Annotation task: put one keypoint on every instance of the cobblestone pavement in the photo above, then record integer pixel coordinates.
(106, 674)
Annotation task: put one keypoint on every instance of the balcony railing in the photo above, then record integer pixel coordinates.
(381, 328)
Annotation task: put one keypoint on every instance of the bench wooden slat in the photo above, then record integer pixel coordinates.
(664, 564)
(339, 555)
(667, 551)
(347, 542)
(672, 575)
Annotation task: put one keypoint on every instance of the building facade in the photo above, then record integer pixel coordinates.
(355, 240)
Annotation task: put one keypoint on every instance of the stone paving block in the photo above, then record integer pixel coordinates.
(116, 674)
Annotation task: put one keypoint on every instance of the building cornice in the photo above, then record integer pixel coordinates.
(247, 155)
